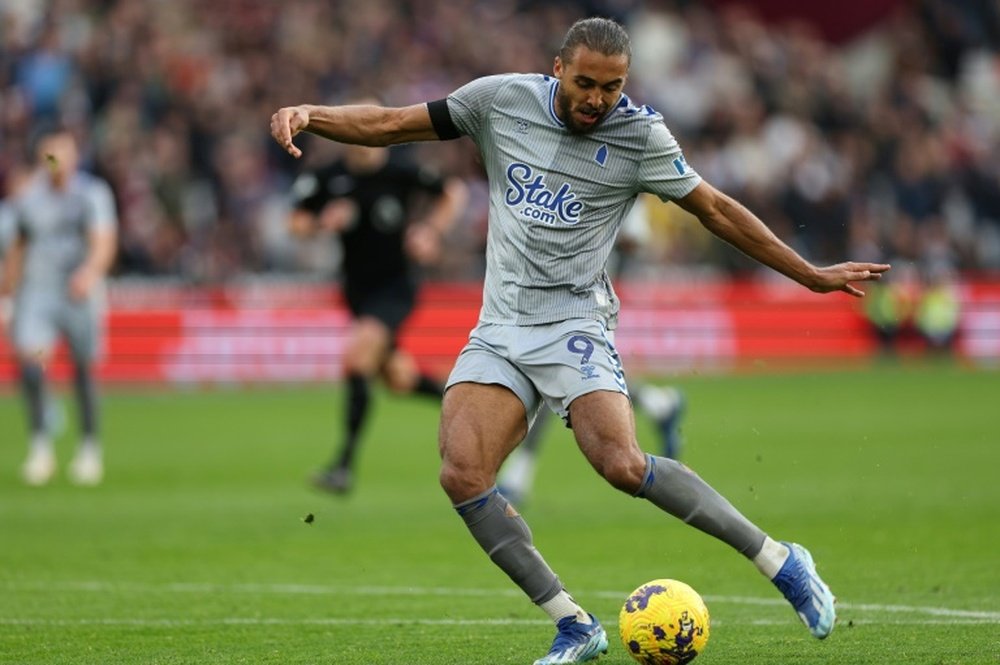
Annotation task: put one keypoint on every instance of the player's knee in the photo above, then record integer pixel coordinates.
(366, 352)
(360, 365)
(33, 357)
(400, 377)
(455, 483)
(623, 471)
(461, 482)
(398, 385)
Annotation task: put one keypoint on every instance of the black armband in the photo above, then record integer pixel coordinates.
(441, 119)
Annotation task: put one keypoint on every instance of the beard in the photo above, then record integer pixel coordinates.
(563, 105)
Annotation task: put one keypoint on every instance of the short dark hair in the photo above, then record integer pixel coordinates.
(44, 130)
(601, 35)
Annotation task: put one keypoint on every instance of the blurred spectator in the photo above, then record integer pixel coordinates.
(890, 139)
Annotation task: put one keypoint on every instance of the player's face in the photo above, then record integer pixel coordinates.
(589, 86)
(59, 155)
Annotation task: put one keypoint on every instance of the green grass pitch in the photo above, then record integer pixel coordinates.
(196, 548)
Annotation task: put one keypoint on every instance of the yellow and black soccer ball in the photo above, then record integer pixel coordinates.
(664, 622)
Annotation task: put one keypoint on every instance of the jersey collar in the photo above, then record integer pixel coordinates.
(552, 103)
(623, 103)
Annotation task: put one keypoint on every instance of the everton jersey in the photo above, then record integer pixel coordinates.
(557, 199)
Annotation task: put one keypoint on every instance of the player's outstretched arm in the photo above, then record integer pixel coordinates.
(10, 274)
(362, 124)
(11, 263)
(731, 221)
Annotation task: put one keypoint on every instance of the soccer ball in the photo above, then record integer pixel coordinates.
(664, 622)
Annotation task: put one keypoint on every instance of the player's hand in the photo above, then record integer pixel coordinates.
(285, 124)
(81, 283)
(338, 215)
(301, 225)
(6, 312)
(839, 277)
(423, 243)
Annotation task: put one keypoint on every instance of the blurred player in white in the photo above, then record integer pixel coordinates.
(64, 226)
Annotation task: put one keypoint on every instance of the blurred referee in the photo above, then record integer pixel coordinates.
(371, 200)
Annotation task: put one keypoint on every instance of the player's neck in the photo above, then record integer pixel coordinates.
(59, 181)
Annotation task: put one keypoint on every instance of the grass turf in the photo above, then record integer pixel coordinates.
(195, 549)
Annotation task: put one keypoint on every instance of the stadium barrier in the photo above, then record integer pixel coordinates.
(294, 332)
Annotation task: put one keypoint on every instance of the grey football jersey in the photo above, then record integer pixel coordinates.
(56, 225)
(557, 199)
(6, 227)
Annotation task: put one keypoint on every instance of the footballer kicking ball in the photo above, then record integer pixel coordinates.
(664, 622)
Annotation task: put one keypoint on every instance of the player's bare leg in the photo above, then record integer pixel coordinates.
(605, 431)
(663, 405)
(480, 426)
(403, 376)
(365, 353)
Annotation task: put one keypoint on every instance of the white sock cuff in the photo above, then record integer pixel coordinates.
(562, 605)
(771, 558)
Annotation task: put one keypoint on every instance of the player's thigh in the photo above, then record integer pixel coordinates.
(400, 371)
(480, 425)
(489, 359)
(82, 324)
(604, 428)
(369, 342)
(35, 326)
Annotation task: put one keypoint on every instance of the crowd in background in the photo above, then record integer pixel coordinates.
(886, 147)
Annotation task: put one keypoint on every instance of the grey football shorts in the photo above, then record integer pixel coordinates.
(554, 363)
(41, 317)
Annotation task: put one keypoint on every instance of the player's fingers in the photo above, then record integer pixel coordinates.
(282, 131)
(859, 273)
(874, 268)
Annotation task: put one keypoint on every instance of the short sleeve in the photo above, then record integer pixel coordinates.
(664, 171)
(469, 104)
(8, 226)
(103, 214)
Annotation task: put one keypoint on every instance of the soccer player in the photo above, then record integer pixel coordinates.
(64, 244)
(369, 199)
(565, 156)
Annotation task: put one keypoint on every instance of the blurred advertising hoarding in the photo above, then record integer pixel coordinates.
(298, 332)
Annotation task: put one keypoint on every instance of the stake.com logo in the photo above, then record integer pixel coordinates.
(540, 202)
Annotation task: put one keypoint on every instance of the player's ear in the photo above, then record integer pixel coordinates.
(557, 67)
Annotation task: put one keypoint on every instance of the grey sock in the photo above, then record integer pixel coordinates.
(86, 396)
(505, 536)
(33, 387)
(678, 490)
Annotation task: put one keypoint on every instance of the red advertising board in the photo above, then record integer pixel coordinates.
(294, 332)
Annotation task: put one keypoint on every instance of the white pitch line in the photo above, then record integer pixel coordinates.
(265, 621)
(407, 621)
(983, 616)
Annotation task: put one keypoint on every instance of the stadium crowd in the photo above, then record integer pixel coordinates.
(883, 147)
